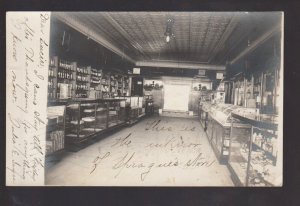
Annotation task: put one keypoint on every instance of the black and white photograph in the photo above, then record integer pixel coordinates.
(144, 99)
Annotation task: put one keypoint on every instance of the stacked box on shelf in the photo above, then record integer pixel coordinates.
(55, 138)
(55, 142)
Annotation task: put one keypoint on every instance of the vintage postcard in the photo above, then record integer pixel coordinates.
(144, 99)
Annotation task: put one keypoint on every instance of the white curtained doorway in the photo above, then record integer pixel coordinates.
(176, 97)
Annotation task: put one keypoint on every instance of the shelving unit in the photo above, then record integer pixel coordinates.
(92, 98)
(61, 79)
(68, 79)
(256, 91)
(83, 78)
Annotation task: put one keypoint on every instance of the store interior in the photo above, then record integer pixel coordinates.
(165, 99)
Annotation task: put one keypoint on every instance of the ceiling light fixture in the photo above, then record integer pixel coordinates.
(169, 28)
(168, 38)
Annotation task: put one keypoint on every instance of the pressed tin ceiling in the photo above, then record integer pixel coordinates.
(199, 37)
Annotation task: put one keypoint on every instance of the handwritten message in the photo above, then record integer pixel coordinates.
(27, 56)
(124, 153)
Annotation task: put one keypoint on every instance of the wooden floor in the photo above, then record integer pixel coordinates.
(154, 152)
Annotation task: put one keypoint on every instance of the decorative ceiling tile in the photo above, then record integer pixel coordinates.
(198, 36)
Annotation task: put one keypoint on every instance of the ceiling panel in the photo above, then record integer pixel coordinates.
(198, 36)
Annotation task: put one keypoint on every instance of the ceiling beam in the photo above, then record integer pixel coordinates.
(80, 27)
(276, 29)
(179, 65)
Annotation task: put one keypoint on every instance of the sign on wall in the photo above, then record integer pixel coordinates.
(136, 70)
(219, 75)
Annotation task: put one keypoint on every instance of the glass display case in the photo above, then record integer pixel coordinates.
(219, 129)
(86, 118)
(55, 132)
(116, 113)
(101, 116)
(209, 124)
(253, 154)
(134, 108)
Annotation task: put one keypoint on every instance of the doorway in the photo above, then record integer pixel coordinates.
(176, 97)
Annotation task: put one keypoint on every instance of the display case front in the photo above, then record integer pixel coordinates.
(86, 118)
(80, 120)
(253, 156)
(113, 113)
(239, 154)
(210, 125)
(101, 116)
(219, 129)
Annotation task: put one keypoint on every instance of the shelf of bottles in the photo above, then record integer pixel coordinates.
(113, 85)
(83, 78)
(67, 80)
(61, 74)
(105, 82)
(52, 79)
(95, 79)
